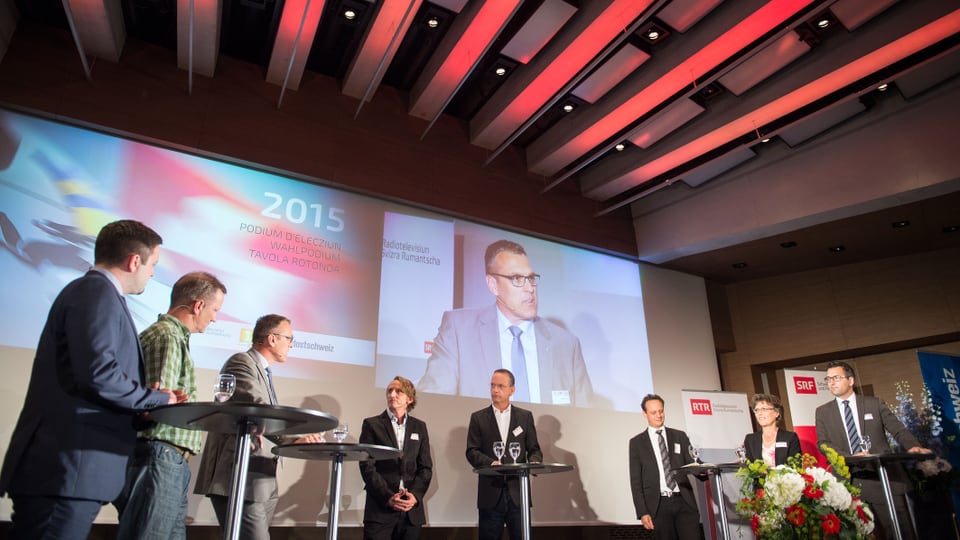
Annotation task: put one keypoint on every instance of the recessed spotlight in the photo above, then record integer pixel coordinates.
(788, 244)
(837, 249)
(568, 107)
(951, 228)
(739, 265)
(433, 22)
(500, 71)
(620, 147)
(823, 23)
(653, 34)
(883, 87)
(765, 140)
(900, 224)
(349, 14)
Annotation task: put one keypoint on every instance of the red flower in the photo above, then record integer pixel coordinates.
(831, 524)
(755, 523)
(796, 515)
(760, 493)
(862, 515)
(812, 491)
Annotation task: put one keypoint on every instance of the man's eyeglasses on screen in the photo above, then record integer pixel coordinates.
(518, 280)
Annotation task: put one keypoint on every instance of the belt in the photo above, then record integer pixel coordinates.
(669, 494)
(185, 452)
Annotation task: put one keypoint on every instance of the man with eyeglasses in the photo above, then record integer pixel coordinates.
(272, 340)
(846, 423)
(544, 357)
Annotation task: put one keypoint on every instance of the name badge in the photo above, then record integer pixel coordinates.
(414, 436)
(781, 444)
(517, 431)
(676, 448)
(868, 416)
(561, 397)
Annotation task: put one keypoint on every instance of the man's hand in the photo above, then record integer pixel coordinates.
(173, 396)
(647, 522)
(920, 450)
(308, 439)
(402, 501)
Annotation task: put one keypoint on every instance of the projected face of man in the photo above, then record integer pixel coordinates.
(516, 303)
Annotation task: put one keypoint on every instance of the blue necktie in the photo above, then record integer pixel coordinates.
(519, 362)
(852, 435)
(273, 394)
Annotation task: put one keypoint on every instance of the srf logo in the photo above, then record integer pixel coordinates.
(701, 406)
(427, 347)
(805, 385)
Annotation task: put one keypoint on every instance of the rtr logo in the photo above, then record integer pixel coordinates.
(427, 347)
(701, 406)
(805, 385)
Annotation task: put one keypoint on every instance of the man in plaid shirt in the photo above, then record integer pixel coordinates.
(153, 504)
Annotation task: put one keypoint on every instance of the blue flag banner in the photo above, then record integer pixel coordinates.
(941, 374)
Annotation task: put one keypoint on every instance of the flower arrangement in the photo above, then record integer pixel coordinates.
(801, 500)
(925, 424)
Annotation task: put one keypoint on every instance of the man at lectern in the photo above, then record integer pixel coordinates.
(396, 488)
(69, 450)
(852, 425)
(272, 340)
(662, 495)
(493, 433)
(544, 357)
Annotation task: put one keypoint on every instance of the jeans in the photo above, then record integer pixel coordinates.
(153, 504)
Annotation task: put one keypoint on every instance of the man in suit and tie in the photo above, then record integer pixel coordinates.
(396, 487)
(662, 494)
(844, 423)
(272, 340)
(498, 497)
(544, 357)
(75, 434)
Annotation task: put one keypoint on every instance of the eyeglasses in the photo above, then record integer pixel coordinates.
(759, 410)
(518, 280)
(281, 335)
(830, 378)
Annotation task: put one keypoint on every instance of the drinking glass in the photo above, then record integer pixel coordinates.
(223, 389)
(498, 450)
(694, 453)
(341, 431)
(741, 454)
(515, 451)
(865, 443)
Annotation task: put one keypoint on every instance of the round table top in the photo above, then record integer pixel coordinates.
(330, 451)
(508, 469)
(263, 418)
(700, 468)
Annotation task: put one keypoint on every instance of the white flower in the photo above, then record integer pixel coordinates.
(820, 475)
(835, 495)
(784, 487)
(864, 528)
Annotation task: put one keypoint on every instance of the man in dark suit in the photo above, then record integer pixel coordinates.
(498, 497)
(869, 417)
(544, 357)
(272, 340)
(396, 487)
(662, 494)
(69, 450)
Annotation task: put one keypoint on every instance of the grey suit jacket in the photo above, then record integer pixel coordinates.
(482, 433)
(216, 463)
(466, 352)
(76, 429)
(382, 478)
(874, 419)
(645, 475)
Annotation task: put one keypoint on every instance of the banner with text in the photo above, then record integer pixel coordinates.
(806, 390)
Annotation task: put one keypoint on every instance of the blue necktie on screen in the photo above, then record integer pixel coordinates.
(519, 362)
(851, 424)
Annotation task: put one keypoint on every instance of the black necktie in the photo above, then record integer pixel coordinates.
(852, 435)
(519, 362)
(665, 459)
(273, 394)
